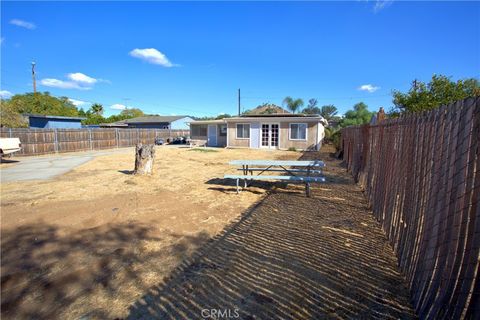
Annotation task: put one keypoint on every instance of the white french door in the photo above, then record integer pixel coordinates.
(270, 135)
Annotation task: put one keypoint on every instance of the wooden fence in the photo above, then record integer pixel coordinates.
(421, 176)
(44, 141)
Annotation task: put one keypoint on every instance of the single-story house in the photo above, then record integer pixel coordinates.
(273, 131)
(48, 122)
(153, 122)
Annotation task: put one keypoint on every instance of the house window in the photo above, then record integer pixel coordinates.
(223, 130)
(243, 131)
(199, 130)
(298, 131)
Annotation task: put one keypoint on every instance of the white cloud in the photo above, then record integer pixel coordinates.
(76, 80)
(152, 56)
(55, 83)
(368, 87)
(76, 102)
(23, 24)
(381, 4)
(4, 94)
(118, 106)
(81, 78)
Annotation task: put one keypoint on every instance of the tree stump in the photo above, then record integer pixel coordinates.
(144, 157)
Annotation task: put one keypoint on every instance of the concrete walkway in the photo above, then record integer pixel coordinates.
(49, 166)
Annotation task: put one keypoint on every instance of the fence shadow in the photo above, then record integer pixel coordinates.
(46, 273)
(229, 185)
(3, 160)
(289, 257)
(127, 172)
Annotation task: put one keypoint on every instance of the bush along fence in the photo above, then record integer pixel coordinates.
(44, 141)
(421, 176)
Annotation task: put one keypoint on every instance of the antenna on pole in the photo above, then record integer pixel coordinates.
(239, 102)
(33, 78)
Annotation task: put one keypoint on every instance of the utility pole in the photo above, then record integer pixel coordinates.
(239, 102)
(415, 85)
(33, 78)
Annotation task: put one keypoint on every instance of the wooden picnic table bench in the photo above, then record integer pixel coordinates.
(305, 173)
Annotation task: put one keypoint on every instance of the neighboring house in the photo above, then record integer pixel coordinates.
(273, 131)
(58, 122)
(153, 122)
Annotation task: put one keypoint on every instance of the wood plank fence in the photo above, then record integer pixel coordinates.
(421, 176)
(44, 141)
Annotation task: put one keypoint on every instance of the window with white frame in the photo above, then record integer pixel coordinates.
(298, 131)
(243, 130)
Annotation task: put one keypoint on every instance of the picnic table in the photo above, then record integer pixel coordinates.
(290, 171)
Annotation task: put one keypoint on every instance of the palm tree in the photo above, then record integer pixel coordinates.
(293, 104)
(97, 108)
(328, 111)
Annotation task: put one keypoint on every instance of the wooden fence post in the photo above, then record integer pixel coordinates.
(90, 138)
(116, 136)
(55, 140)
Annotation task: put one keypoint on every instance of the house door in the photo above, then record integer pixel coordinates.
(212, 135)
(270, 135)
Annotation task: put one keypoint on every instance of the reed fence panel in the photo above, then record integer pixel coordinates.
(421, 176)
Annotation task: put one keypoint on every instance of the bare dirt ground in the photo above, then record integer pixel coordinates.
(97, 237)
(99, 243)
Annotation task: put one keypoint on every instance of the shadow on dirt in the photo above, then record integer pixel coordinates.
(229, 185)
(289, 257)
(44, 272)
(127, 172)
(3, 160)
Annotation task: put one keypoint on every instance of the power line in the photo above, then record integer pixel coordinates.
(328, 98)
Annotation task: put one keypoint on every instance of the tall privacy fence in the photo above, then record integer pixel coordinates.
(421, 176)
(43, 141)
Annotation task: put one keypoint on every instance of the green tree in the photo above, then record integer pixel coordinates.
(358, 116)
(82, 113)
(311, 107)
(96, 109)
(93, 118)
(439, 91)
(293, 104)
(131, 113)
(42, 103)
(328, 111)
(223, 116)
(9, 117)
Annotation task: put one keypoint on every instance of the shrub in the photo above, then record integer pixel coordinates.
(336, 139)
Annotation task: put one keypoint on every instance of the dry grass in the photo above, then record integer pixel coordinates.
(159, 219)
(179, 175)
(100, 243)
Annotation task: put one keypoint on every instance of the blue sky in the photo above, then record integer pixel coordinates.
(201, 53)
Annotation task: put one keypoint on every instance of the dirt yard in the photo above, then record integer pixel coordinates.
(97, 237)
(100, 243)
